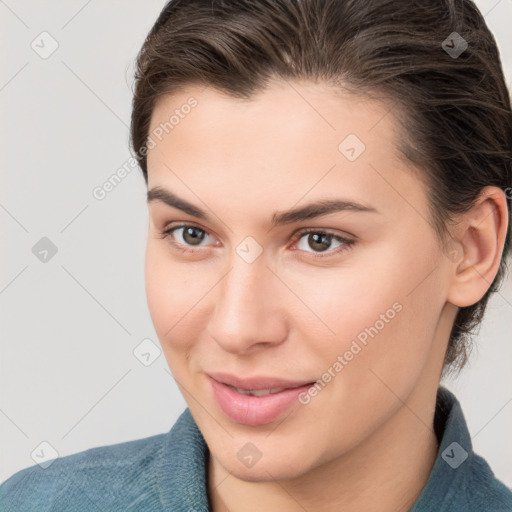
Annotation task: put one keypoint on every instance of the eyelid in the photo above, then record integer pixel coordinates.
(347, 242)
(326, 231)
(169, 229)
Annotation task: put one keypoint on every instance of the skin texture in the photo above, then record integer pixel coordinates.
(365, 442)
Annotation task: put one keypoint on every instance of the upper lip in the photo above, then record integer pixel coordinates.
(256, 382)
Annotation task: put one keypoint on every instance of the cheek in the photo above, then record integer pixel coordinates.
(385, 326)
(177, 297)
(346, 300)
(167, 291)
(382, 314)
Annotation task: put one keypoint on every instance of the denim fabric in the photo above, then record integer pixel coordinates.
(167, 472)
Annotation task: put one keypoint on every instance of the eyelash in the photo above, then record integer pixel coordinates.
(347, 243)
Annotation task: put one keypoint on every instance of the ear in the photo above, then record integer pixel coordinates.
(480, 237)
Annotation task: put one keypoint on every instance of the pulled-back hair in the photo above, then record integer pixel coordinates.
(453, 108)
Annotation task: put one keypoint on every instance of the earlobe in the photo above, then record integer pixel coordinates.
(481, 234)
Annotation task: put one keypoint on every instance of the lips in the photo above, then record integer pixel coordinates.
(257, 392)
(257, 382)
(256, 400)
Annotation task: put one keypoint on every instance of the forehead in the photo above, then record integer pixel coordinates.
(299, 137)
(295, 109)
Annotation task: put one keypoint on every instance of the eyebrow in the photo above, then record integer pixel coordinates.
(309, 211)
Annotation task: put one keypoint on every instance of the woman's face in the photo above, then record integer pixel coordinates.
(261, 289)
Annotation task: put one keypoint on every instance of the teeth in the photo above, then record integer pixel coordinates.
(258, 392)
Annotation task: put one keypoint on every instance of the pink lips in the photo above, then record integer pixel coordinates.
(250, 409)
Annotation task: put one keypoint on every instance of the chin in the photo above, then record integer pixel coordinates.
(264, 473)
(277, 467)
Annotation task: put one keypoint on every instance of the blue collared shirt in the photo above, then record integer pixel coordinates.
(167, 472)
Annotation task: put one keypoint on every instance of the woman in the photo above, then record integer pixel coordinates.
(329, 195)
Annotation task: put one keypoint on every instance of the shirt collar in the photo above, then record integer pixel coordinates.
(182, 467)
(454, 458)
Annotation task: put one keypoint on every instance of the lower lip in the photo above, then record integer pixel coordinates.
(254, 410)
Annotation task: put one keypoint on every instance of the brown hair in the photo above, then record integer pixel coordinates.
(453, 108)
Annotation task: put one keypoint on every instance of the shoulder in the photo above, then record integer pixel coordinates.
(460, 480)
(484, 491)
(122, 474)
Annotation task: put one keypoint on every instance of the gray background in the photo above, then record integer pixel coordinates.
(70, 325)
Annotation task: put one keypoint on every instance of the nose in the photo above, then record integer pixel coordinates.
(250, 308)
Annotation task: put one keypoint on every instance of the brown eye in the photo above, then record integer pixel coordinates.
(192, 235)
(317, 242)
